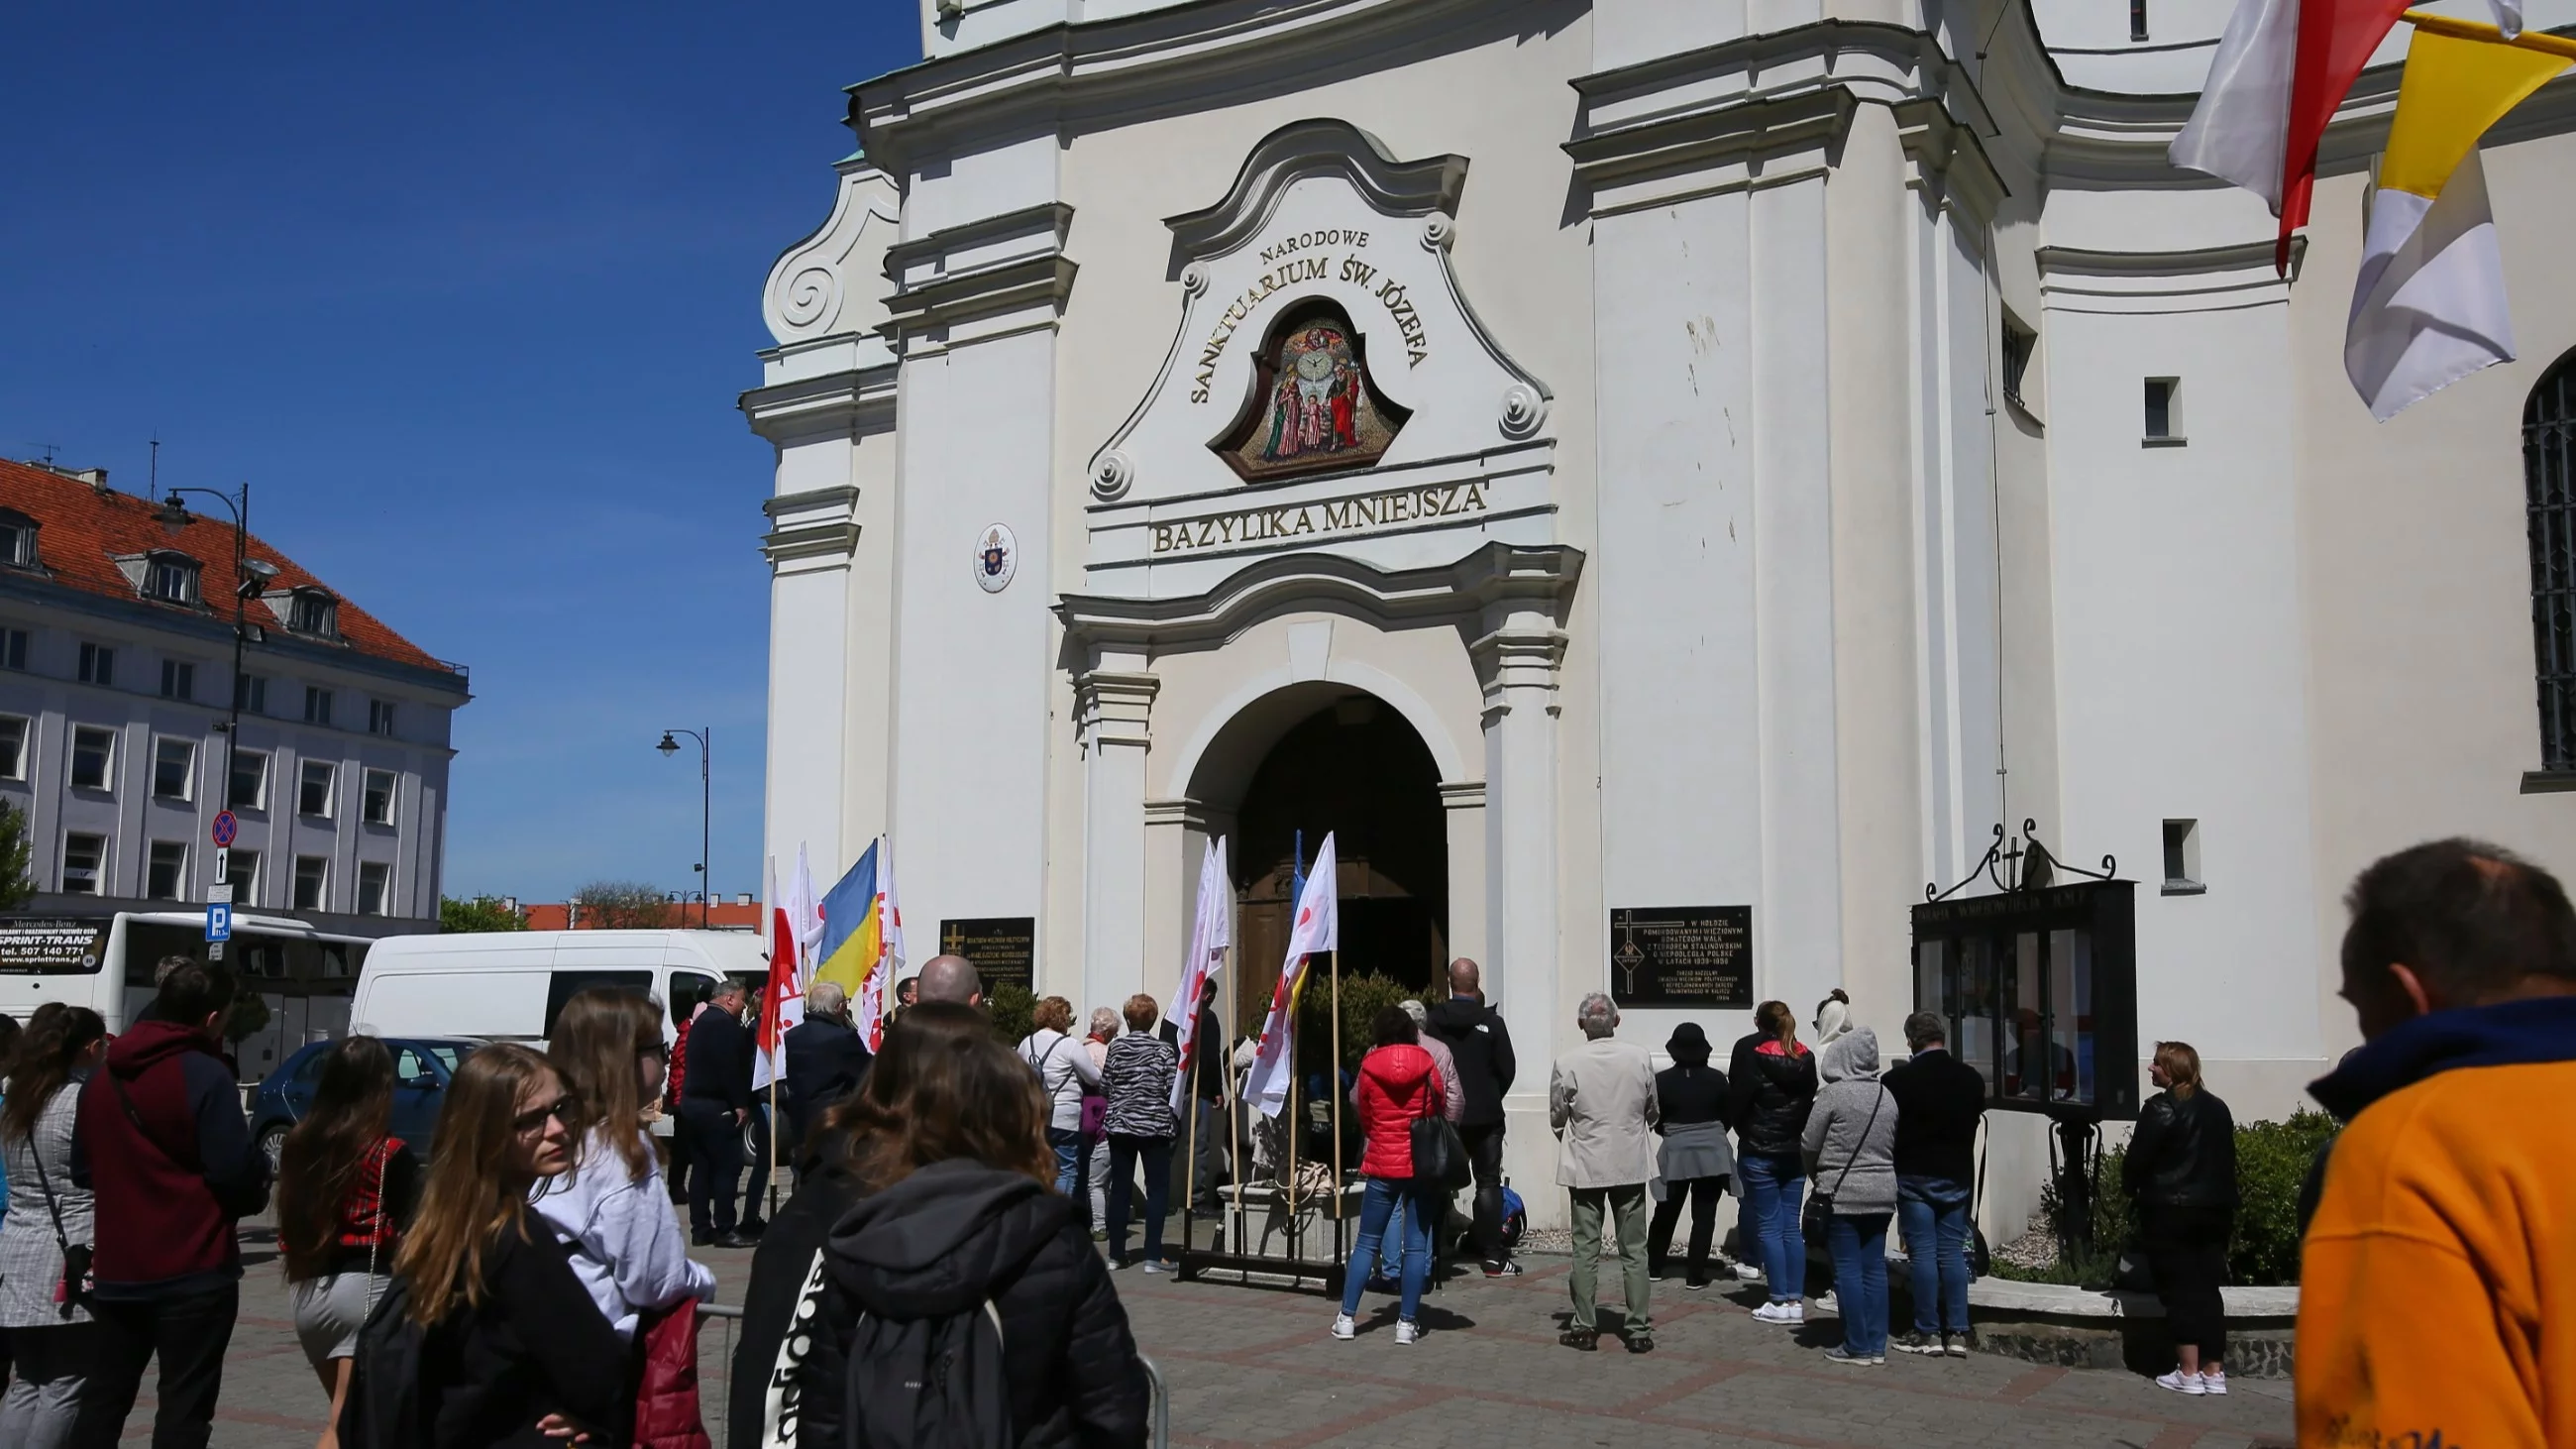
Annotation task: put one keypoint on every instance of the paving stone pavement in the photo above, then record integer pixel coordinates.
(1252, 1366)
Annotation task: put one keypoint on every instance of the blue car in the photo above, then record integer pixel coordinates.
(423, 1066)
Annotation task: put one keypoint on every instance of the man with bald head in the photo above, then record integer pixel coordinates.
(951, 978)
(1475, 1035)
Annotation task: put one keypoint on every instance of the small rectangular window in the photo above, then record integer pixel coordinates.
(84, 865)
(97, 664)
(2164, 411)
(2182, 858)
(174, 768)
(313, 795)
(17, 543)
(13, 747)
(250, 780)
(243, 869)
(380, 797)
(2137, 19)
(171, 580)
(168, 878)
(312, 880)
(178, 679)
(373, 877)
(313, 612)
(380, 717)
(250, 694)
(93, 757)
(317, 705)
(13, 649)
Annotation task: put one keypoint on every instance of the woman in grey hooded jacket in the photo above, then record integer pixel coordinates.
(1850, 1146)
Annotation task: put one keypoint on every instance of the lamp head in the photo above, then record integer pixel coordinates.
(255, 576)
(173, 513)
(669, 746)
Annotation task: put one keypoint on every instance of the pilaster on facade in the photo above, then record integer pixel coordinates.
(996, 276)
(1116, 707)
(1518, 668)
(810, 530)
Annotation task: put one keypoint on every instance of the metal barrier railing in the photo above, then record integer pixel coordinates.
(1162, 1393)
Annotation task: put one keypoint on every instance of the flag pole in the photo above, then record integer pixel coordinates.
(1333, 965)
(1233, 1156)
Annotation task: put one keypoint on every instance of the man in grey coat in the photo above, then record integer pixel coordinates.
(1601, 1101)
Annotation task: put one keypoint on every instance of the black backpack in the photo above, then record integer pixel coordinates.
(927, 1383)
(382, 1410)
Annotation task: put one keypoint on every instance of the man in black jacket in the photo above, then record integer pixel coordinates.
(1207, 1095)
(825, 1058)
(1476, 1036)
(1939, 1102)
(715, 1102)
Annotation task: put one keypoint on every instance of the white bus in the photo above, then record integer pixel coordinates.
(305, 976)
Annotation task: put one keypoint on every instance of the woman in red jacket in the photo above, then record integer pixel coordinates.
(1397, 1085)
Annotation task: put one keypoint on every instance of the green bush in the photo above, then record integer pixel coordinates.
(1363, 995)
(1012, 1006)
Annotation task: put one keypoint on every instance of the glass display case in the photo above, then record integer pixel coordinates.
(2039, 991)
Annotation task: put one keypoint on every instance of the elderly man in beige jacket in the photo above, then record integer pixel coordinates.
(1601, 1101)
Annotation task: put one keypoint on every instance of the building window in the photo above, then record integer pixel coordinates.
(17, 540)
(13, 747)
(178, 679)
(171, 578)
(84, 865)
(2164, 411)
(2137, 19)
(313, 797)
(250, 694)
(317, 705)
(13, 649)
(243, 871)
(380, 797)
(97, 664)
(310, 611)
(167, 880)
(250, 781)
(2549, 488)
(312, 879)
(93, 757)
(373, 877)
(380, 716)
(2019, 343)
(174, 766)
(2182, 858)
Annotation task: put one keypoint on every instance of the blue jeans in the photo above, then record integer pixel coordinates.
(1377, 1213)
(1859, 1249)
(1934, 1211)
(1068, 1162)
(1124, 1153)
(1775, 1190)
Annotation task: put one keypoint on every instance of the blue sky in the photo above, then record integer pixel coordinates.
(466, 292)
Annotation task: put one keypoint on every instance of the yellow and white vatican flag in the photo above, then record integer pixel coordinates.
(2429, 306)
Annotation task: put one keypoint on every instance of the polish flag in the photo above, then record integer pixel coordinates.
(1317, 928)
(1208, 935)
(782, 1003)
(2281, 70)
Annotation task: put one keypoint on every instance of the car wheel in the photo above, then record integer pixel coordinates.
(272, 1145)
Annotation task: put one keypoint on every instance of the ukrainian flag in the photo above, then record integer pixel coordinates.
(853, 927)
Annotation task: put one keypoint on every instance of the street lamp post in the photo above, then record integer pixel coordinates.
(706, 801)
(250, 579)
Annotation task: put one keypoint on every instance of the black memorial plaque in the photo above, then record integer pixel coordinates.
(1003, 948)
(1682, 956)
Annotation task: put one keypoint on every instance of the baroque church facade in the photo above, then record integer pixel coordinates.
(1706, 463)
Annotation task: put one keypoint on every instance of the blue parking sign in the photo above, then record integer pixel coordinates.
(219, 922)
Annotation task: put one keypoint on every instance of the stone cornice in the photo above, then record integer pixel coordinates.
(810, 501)
(1306, 148)
(1036, 285)
(860, 401)
(1054, 217)
(1497, 574)
(823, 540)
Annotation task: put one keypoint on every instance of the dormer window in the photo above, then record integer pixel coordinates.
(311, 611)
(170, 578)
(17, 540)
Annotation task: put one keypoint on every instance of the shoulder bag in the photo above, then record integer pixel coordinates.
(1820, 1205)
(1439, 1154)
(74, 1289)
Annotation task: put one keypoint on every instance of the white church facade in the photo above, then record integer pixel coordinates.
(1698, 463)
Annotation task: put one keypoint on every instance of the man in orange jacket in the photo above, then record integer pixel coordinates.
(2438, 1291)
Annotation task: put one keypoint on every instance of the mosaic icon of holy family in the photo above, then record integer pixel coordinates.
(1316, 408)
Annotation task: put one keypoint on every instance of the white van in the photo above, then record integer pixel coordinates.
(510, 985)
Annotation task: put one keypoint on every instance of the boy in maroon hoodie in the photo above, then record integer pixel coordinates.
(161, 1142)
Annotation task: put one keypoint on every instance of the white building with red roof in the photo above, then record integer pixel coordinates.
(116, 634)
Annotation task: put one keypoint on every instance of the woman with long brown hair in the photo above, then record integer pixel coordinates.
(345, 1187)
(612, 1202)
(937, 1194)
(2181, 1168)
(1771, 1087)
(47, 1327)
(511, 1338)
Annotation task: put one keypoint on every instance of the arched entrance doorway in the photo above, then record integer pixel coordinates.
(1342, 761)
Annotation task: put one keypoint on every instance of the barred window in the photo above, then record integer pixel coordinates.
(2549, 483)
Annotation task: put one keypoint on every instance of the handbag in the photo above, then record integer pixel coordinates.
(669, 1413)
(1439, 1156)
(1820, 1205)
(76, 1286)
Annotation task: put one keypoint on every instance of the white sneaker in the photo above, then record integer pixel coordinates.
(1784, 1314)
(2182, 1383)
(1828, 1305)
(1406, 1331)
(1345, 1326)
(2213, 1381)
(1747, 1273)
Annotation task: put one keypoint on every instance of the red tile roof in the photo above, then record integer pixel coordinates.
(83, 529)
(727, 916)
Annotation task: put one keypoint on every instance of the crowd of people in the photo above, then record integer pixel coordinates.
(527, 1280)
